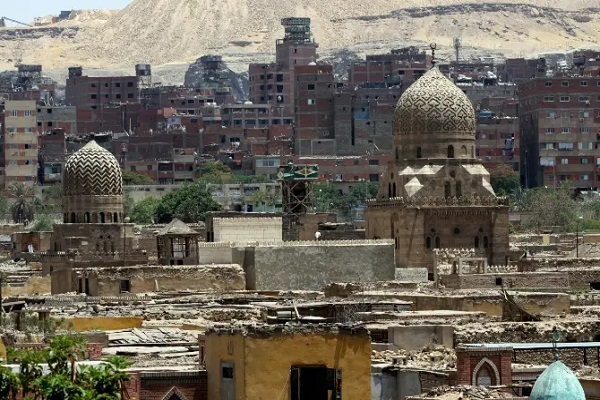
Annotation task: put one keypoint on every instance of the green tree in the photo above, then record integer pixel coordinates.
(212, 168)
(133, 178)
(22, 208)
(505, 180)
(3, 208)
(144, 211)
(552, 207)
(63, 381)
(189, 204)
(262, 197)
(43, 222)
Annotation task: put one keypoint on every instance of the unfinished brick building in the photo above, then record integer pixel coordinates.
(436, 193)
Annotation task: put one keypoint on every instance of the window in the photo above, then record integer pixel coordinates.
(584, 160)
(565, 99)
(584, 145)
(584, 177)
(565, 83)
(564, 161)
(125, 286)
(583, 83)
(549, 130)
(584, 129)
(132, 168)
(14, 113)
(93, 96)
(117, 84)
(129, 84)
(565, 146)
(546, 161)
(584, 114)
(311, 86)
(28, 113)
(551, 114)
(373, 177)
(548, 83)
(149, 167)
(584, 99)
(310, 102)
(565, 129)
(374, 162)
(548, 99)
(118, 96)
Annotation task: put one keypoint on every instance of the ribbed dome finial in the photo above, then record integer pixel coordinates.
(92, 171)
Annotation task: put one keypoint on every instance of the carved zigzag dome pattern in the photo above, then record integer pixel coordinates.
(434, 105)
(92, 171)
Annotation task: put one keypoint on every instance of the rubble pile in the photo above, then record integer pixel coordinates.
(465, 393)
(431, 357)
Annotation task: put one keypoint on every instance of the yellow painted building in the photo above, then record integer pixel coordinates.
(288, 362)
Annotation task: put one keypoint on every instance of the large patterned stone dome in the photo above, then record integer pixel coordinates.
(433, 105)
(92, 171)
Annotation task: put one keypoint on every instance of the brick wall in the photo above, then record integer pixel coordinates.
(470, 360)
(94, 351)
(193, 385)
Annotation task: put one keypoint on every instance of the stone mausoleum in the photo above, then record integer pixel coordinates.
(94, 228)
(436, 193)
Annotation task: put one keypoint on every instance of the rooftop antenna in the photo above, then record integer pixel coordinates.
(433, 47)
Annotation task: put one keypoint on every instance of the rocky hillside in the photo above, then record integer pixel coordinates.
(164, 32)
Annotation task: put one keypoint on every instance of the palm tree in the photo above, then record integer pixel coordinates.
(22, 208)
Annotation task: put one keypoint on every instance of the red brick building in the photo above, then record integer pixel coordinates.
(167, 385)
(560, 127)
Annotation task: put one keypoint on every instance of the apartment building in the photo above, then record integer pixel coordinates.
(560, 128)
(93, 92)
(20, 142)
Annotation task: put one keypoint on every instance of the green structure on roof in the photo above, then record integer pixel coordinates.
(557, 382)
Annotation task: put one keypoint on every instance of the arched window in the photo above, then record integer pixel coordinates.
(102, 218)
(447, 189)
(94, 218)
(485, 373)
(428, 242)
(109, 217)
(485, 242)
(463, 151)
(450, 151)
(394, 189)
(397, 154)
(419, 155)
(476, 242)
(86, 218)
(112, 247)
(115, 217)
(106, 247)
(484, 377)
(73, 217)
(65, 218)
(458, 189)
(437, 242)
(389, 190)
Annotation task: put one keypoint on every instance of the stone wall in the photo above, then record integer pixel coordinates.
(146, 279)
(538, 280)
(239, 229)
(313, 265)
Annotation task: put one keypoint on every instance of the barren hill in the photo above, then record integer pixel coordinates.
(175, 31)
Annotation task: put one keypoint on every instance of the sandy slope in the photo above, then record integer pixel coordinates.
(175, 31)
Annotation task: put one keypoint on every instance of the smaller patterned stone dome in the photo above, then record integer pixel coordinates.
(92, 171)
(433, 105)
(557, 382)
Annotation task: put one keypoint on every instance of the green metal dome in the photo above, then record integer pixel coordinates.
(557, 382)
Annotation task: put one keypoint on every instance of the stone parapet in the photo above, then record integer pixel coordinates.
(489, 201)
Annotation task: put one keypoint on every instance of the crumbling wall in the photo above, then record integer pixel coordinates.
(542, 280)
(171, 278)
(313, 265)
